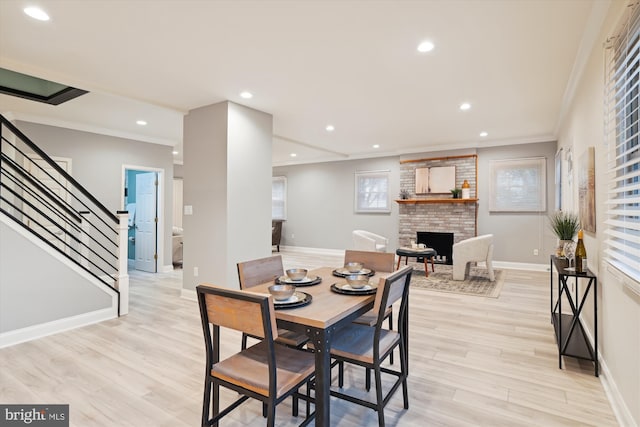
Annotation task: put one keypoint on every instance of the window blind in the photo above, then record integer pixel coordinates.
(622, 136)
(279, 197)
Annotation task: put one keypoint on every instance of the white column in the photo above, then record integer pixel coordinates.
(122, 281)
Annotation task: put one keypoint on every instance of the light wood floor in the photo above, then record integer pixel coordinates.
(473, 362)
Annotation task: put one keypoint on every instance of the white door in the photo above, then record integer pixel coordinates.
(51, 179)
(146, 222)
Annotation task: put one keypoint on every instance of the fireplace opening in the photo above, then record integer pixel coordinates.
(441, 242)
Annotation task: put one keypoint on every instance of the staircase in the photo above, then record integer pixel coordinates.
(41, 202)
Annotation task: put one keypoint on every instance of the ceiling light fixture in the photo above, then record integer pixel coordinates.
(330, 128)
(483, 134)
(141, 122)
(246, 95)
(465, 106)
(174, 152)
(36, 13)
(376, 145)
(425, 46)
(293, 155)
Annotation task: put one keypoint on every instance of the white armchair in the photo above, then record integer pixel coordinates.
(471, 250)
(367, 241)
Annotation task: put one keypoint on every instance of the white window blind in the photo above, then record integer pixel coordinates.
(279, 197)
(622, 75)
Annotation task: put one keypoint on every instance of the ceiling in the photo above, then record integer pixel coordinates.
(351, 64)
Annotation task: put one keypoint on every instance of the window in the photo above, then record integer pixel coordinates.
(279, 197)
(372, 192)
(622, 143)
(518, 185)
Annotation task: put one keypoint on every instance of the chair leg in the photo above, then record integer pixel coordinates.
(391, 328)
(367, 379)
(340, 374)
(244, 341)
(206, 403)
(379, 397)
(271, 417)
(216, 402)
(404, 368)
(294, 405)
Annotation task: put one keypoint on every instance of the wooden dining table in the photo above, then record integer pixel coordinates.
(327, 312)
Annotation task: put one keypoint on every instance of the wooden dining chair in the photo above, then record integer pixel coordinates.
(369, 346)
(379, 262)
(265, 371)
(258, 271)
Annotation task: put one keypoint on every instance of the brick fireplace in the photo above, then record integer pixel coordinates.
(438, 212)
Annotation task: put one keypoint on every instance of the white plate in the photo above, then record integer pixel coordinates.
(348, 287)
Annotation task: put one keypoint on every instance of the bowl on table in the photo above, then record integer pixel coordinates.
(357, 281)
(282, 292)
(353, 267)
(296, 273)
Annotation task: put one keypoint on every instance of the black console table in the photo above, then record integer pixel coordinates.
(570, 333)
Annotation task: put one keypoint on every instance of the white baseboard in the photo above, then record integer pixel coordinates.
(166, 268)
(618, 405)
(320, 251)
(520, 266)
(39, 331)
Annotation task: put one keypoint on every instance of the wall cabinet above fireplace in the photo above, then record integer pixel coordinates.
(444, 200)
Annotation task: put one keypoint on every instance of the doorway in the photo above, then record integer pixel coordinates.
(141, 200)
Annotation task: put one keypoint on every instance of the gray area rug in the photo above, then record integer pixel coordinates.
(477, 283)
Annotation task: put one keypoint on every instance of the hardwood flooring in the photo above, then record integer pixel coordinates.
(474, 361)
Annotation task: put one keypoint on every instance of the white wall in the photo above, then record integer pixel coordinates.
(32, 296)
(618, 306)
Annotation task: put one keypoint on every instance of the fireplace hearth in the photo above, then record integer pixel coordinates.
(440, 241)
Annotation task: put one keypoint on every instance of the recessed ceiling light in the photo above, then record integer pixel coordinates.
(175, 152)
(465, 106)
(141, 122)
(376, 145)
(36, 13)
(293, 154)
(425, 46)
(330, 128)
(483, 134)
(246, 95)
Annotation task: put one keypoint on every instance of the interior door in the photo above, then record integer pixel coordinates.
(146, 222)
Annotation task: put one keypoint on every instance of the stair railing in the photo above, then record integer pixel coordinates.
(43, 198)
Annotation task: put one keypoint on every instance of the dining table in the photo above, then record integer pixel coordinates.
(327, 312)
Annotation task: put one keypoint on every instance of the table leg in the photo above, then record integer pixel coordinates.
(398, 266)
(322, 344)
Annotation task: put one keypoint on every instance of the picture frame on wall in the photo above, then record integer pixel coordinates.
(558, 179)
(587, 190)
(435, 180)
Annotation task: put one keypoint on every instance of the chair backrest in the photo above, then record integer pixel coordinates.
(242, 311)
(391, 289)
(257, 271)
(378, 261)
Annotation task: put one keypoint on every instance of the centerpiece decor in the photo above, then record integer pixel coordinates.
(565, 225)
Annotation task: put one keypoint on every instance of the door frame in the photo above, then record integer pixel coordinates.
(160, 266)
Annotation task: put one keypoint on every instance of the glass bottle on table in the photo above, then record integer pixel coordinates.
(581, 255)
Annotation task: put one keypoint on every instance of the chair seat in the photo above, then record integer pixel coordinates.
(370, 317)
(250, 369)
(291, 338)
(355, 342)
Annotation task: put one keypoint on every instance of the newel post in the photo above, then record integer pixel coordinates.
(122, 282)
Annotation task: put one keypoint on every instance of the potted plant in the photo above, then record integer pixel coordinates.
(565, 225)
(456, 192)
